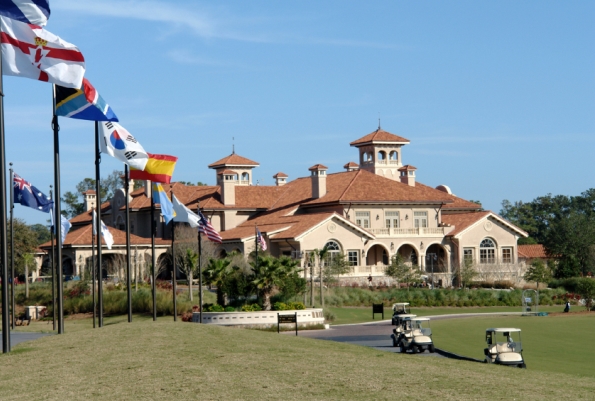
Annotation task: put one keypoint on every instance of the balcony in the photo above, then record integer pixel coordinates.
(408, 232)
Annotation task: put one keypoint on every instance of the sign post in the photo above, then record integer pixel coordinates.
(287, 319)
(377, 308)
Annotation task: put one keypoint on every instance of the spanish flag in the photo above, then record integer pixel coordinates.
(159, 168)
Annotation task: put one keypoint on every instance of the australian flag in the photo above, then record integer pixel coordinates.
(27, 195)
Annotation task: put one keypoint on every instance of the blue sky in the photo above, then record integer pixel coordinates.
(497, 98)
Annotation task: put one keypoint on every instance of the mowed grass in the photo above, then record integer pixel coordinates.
(350, 315)
(562, 343)
(166, 360)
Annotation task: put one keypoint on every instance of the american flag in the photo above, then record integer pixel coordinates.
(205, 227)
(260, 240)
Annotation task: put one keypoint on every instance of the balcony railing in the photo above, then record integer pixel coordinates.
(393, 162)
(396, 232)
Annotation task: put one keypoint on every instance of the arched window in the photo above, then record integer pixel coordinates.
(381, 155)
(394, 156)
(487, 251)
(245, 177)
(333, 249)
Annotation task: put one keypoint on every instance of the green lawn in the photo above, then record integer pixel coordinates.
(350, 315)
(167, 360)
(562, 343)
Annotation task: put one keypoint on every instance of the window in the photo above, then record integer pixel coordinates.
(487, 251)
(468, 256)
(506, 255)
(333, 249)
(420, 219)
(362, 219)
(392, 219)
(353, 258)
(394, 156)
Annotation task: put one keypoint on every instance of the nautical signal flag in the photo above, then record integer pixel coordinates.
(83, 103)
(159, 196)
(32, 52)
(159, 168)
(34, 12)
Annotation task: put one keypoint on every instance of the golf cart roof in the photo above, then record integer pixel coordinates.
(504, 330)
(421, 319)
(401, 304)
(407, 316)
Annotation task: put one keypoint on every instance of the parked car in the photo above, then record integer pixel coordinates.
(417, 335)
(504, 347)
(401, 327)
(400, 308)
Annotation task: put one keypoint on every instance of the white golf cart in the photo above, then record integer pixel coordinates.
(417, 335)
(401, 327)
(400, 308)
(504, 347)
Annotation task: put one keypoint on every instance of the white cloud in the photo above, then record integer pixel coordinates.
(207, 23)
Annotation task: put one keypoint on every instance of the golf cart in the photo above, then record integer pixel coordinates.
(400, 308)
(400, 329)
(503, 349)
(417, 335)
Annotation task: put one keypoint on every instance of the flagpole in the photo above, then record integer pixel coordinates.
(93, 274)
(128, 276)
(3, 243)
(58, 213)
(53, 266)
(12, 302)
(199, 270)
(153, 233)
(173, 258)
(98, 225)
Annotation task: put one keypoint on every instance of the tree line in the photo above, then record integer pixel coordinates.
(565, 225)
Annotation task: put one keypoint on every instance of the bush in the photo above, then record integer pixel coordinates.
(329, 316)
(230, 309)
(251, 308)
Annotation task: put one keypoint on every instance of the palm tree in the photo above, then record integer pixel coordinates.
(269, 272)
(28, 259)
(215, 274)
(189, 264)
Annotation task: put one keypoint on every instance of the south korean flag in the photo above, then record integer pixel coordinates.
(119, 143)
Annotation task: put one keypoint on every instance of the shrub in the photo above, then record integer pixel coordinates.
(329, 316)
(230, 309)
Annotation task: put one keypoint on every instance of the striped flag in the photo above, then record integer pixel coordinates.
(84, 103)
(260, 240)
(205, 227)
(159, 168)
(35, 12)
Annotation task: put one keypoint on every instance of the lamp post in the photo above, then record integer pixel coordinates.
(432, 257)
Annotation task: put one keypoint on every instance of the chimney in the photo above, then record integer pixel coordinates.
(318, 180)
(228, 182)
(130, 186)
(90, 200)
(280, 179)
(351, 166)
(148, 188)
(408, 175)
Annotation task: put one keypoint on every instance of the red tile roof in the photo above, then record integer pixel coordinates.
(351, 165)
(83, 236)
(87, 216)
(532, 251)
(233, 160)
(226, 171)
(462, 221)
(89, 192)
(407, 167)
(318, 167)
(280, 175)
(379, 136)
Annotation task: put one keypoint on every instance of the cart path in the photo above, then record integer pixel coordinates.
(17, 337)
(377, 334)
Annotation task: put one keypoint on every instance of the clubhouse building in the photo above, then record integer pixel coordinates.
(369, 212)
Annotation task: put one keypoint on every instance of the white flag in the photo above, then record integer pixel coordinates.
(30, 51)
(107, 236)
(183, 214)
(65, 228)
(119, 143)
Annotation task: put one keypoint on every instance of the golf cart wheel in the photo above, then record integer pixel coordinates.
(431, 348)
(522, 366)
(487, 360)
(402, 348)
(395, 343)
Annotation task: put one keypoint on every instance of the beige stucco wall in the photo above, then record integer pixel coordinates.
(489, 228)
